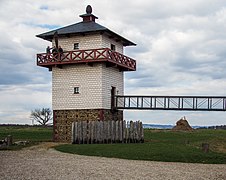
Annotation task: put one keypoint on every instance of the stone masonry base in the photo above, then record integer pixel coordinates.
(62, 120)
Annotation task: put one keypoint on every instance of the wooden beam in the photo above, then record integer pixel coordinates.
(90, 64)
(59, 66)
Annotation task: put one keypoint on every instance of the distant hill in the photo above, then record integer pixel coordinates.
(157, 126)
(160, 126)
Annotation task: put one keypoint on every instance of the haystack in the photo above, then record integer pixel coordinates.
(182, 125)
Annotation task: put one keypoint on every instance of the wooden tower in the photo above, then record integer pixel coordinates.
(87, 74)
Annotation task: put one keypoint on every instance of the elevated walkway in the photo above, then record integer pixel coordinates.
(179, 103)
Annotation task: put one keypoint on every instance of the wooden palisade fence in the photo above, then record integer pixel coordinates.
(93, 132)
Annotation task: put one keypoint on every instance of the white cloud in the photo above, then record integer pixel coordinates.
(180, 51)
(17, 101)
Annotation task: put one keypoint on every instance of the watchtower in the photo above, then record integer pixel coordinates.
(87, 74)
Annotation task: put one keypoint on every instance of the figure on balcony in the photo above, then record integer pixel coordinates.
(60, 50)
(48, 50)
(55, 53)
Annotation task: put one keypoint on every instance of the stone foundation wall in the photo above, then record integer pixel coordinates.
(62, 120)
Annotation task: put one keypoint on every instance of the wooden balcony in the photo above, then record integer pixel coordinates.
(90, 56)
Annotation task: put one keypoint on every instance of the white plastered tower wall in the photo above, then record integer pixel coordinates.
(92, 41)
(94, 84)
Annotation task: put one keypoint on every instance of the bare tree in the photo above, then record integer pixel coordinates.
(42, 116)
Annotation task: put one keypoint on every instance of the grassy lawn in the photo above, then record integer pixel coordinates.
(162, 145)
(34, 134)
(159, 145)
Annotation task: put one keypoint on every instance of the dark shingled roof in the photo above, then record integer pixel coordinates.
(84, 28)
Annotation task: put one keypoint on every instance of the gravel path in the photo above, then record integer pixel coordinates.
(44, 163)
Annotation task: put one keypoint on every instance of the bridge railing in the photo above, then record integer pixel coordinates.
(187, 103)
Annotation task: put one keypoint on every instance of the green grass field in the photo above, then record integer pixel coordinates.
(34, 134)
(162, 145)
(159, 145)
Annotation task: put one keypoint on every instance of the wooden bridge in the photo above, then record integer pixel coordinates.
(180, 103)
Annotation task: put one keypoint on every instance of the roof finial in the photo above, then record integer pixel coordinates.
(88, 16)
(89, 9)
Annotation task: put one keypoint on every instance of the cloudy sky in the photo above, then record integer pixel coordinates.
(181, 50)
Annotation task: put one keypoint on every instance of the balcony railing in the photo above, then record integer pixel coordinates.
(87, 56)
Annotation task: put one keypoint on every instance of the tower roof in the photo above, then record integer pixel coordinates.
(87, 26)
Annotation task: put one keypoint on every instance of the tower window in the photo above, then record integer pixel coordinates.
(112, 47)
(76, 90)
(76, 46)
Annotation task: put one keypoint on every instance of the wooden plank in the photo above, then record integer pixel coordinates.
(95, 132)
(113, 131)
(138, 131)
(116, 132)
(142, 132)
(124, 131)
(101, 131)
(120, 131)
(109, 132)
(79, 132)
(76, 132)
(105, 132)
(73, 133)
(98, 131)
(131, 133)
(135, 132)
(84, 131)
(91, 132)
(127, 132)
(88, 132)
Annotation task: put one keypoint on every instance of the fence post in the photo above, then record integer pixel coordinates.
(113, 131)
(101, 132)
(97, 131)
(124, 131)
(109, 132)
(127, 132)
(73, 133)
(138, 131)
(131, 135)
(9, 140)
(83, 132)
(120, 131)
(142, 132)
(105, 139)
(79, 132)
(76, 131)
(116, 131)
(91, 131)
(88, 132)
(205, 147)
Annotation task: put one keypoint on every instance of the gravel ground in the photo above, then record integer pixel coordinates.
(46, 163)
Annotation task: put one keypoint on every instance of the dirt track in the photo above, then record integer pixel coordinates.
(42, 162)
